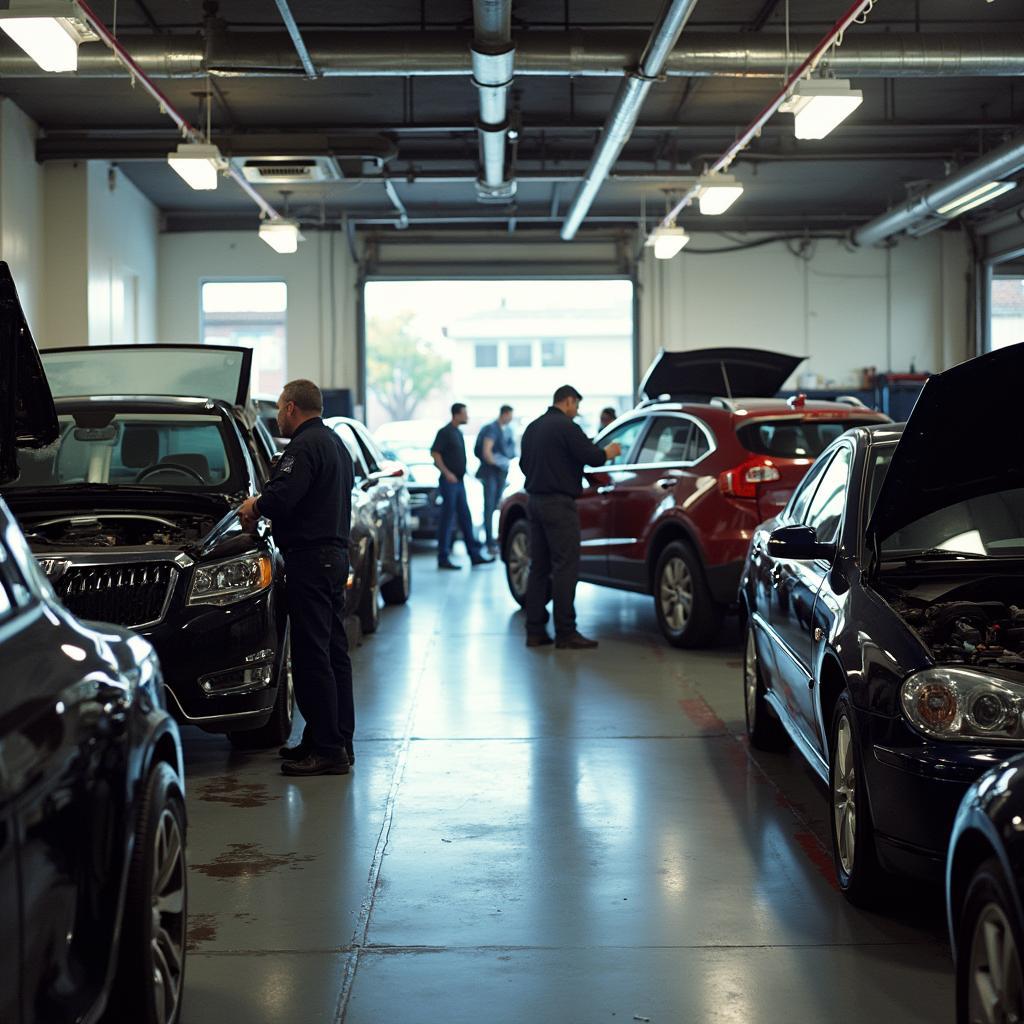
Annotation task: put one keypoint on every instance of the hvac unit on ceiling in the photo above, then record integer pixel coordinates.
(290, 170)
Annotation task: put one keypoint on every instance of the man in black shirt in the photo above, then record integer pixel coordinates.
(309, 502)
(449, 452)
(554, 452)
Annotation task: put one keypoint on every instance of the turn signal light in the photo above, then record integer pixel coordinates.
(742, 482)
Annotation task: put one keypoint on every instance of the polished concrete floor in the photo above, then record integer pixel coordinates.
(537, 835)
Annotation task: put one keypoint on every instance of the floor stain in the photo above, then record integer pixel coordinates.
(248, 860)
(229, 790)
(201, 928)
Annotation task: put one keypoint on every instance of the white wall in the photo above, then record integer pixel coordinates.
(322, 300)
(843, 309)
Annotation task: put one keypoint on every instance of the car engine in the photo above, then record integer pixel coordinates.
(115, 531)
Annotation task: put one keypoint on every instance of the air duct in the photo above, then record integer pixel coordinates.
(493, 57)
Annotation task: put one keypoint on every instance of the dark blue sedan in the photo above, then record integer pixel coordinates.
(884, 613)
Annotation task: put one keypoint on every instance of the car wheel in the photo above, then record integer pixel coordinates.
(278, 727)
(853, 835)
(397, 590)
(369, 602)
(151, 968)
(687, 615)
(764, 729)
(989, 979)
(517, 560)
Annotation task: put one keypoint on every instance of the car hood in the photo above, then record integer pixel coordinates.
(962, 441)
(27, 415)
(707, 372)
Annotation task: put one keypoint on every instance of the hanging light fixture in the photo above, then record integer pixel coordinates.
(975, 197)
(198, 163)
(717, 192)
(820, 104)
(49, 31)
(667, 241)
(281, 234)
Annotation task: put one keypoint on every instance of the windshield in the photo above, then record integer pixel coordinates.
(172, 451)
(794, 439)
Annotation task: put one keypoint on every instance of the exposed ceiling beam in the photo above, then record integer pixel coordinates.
(296, 37)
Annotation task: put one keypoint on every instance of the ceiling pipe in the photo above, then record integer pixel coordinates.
(626, 109)
(396, 201)
(493, 57)
(552, 54)
(999, 163)
(296, 37)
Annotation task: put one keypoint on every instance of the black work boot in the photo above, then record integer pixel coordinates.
(317, 764)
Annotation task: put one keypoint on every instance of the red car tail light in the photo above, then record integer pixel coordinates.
(743, 481)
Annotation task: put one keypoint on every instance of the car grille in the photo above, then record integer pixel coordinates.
(418, 499)
(127, 595)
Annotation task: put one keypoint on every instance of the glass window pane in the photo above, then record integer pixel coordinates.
(520, 355)
(826, 509)
(247, 296)
(667, 441)
(486, 356)
(552, 353)
(627, 436)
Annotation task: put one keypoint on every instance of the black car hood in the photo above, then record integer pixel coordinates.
(27, 416)
(962, 440)
(707, 372)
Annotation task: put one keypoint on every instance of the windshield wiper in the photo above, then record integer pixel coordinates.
(928, 555)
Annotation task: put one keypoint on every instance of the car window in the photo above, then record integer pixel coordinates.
(797, 507)
(371, 453)
(668, 440)
(345, 432)
(792, 438)
(627, 436)
(825, 511)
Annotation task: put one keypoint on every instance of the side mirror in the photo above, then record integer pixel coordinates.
(390, 470)
(799, 543)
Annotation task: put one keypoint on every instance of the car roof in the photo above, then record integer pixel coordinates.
(753, 408)
(143, 403)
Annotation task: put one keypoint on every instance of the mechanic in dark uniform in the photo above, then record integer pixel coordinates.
(309, 501)
(554, 452)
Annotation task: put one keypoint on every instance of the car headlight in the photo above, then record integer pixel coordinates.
(949, 703)
(231, 580)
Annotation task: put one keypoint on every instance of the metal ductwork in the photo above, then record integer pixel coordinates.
(1001, 162)
(554, 54)
(626, 109)
(493, 57)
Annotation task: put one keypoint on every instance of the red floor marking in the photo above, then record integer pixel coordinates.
(701, 715)
(817, 856)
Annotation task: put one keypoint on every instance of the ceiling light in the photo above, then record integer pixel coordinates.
(198, 164)
(280, 234)
(819, 105)
(666, 242)
(717, 192)
(49, 31)
(976, 197)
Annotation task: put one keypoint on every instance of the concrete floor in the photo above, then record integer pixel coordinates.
(537, 835)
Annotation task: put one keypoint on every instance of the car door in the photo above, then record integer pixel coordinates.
(594, 503)
(387, 490)
(796, 586)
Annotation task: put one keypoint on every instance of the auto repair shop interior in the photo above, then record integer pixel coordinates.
(782, 241)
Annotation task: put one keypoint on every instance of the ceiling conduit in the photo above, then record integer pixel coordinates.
(493, 57)
(1001, 162)
(626, 109)
(544, 54)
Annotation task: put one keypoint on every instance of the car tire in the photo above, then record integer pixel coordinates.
(687, 614)
(854, 856)
(369, 601)
(987, 926)
(764, 730)
(278, 728)
(399, 589)
(151, 966)
(517, 560)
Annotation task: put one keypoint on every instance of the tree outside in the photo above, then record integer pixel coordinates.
(403, 369)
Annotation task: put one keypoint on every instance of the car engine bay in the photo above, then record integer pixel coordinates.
(116, 531)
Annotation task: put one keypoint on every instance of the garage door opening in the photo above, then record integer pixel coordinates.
(1007, 311)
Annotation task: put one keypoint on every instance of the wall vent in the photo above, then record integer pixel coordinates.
(280, 170)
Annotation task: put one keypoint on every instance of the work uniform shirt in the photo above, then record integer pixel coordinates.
(451, 446)
(554, 452)
(503, 450)
(309, 496)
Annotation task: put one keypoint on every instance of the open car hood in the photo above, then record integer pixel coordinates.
(179, 371)
(962, 440)
(707, 372)
(27, 416)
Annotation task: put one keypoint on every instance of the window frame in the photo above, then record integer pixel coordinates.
(651, 416)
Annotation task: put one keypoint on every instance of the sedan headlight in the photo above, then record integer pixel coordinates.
(231, 580)
(949, 703)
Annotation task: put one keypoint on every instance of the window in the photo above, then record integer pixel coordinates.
(793, 438)
(825, 511)
(486, 356)
(1007, 311)
(552, 353)
(250, 314)
(345, 432)
(668, 440)
(627, 436)
(520, 354)
(803, 494)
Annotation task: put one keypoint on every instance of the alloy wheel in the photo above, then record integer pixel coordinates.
(167, 902)
(996, 994)
(750, 678)
(844, 795)
(676, 593)
(519, 562)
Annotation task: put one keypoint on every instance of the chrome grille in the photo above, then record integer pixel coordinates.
(127, 595)
(418, 499)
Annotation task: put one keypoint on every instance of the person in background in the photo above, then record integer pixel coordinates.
(449, 454)
(495, 448)
(608, 416)
(554, 452)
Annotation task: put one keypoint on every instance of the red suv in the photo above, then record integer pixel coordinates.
(673, 515)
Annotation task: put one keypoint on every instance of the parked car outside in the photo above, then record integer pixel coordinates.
(92, 813)
(984, 880)
(885, 630)
(672, 516)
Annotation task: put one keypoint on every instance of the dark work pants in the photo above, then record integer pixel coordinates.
(494, 486)
(554, 561)
(454, 506)
(321, 669)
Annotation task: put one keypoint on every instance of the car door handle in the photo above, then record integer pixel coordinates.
(606, 489)
(666, 483)
(776, 575)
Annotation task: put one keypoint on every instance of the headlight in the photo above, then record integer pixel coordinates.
(948, 703)
(231, 580)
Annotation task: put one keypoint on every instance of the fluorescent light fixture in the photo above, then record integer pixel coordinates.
(717, 193)
(280, 234)
(198, 164)
(666, 242)
(821, 104)
(976, 197)
(49, 31)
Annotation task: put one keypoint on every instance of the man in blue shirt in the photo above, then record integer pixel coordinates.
(495, 448)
